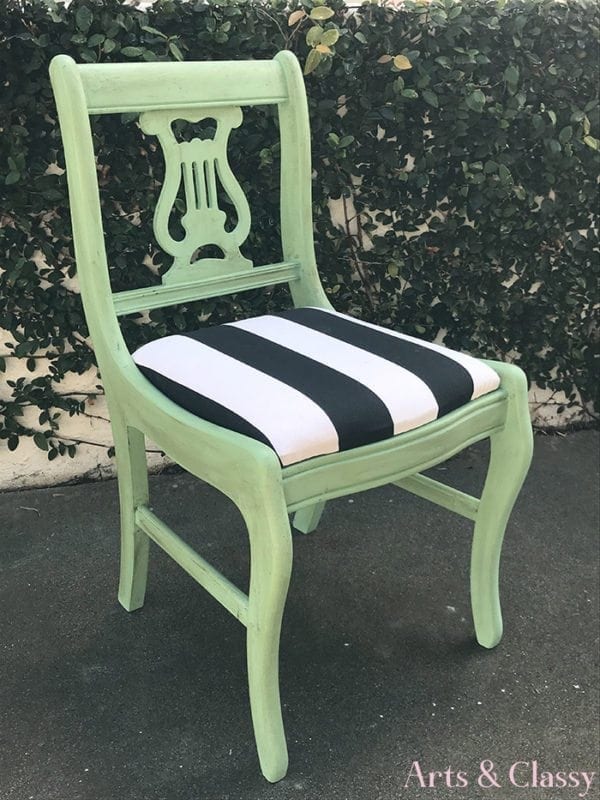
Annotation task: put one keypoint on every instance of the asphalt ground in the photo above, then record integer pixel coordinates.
(379, 668)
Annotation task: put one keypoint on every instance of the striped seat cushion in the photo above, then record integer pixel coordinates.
(309, 382)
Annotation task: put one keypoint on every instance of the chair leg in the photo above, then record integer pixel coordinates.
(510, 456)
(270, 569)
(132, 474)
(306, 519)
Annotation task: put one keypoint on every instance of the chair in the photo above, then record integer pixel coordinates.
(330, 405)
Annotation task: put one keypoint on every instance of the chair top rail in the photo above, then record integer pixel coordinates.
(134, 300)
(120, 88)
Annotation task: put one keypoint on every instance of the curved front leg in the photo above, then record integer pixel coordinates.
(510, 457)
(270, 570)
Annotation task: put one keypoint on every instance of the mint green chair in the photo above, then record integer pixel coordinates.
(283, 412)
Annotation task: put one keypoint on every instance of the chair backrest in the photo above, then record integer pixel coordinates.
(162, 93)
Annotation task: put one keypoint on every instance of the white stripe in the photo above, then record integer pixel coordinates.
(296, 426)
(408, 398)
(484, 378)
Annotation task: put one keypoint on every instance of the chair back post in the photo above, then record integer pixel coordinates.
(86, 217)
(296, 186)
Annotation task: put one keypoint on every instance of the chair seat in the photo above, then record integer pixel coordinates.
(310, 381)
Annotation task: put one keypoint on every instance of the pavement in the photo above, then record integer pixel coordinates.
(379, 668)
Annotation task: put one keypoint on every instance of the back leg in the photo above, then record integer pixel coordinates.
(510, 457)
(306, 519)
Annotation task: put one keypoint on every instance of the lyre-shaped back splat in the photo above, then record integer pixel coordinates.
(199, 163)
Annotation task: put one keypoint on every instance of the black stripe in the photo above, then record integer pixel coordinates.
(357, 413)
(203, 406)
(450, 383)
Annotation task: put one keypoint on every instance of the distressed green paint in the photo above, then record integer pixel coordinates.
(306, 519)
(200, 287)
(445, 496)
(200, 163)
(245, 470)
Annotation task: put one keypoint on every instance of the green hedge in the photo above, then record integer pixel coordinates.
(487, 129)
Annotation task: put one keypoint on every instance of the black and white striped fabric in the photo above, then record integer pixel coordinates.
(309, 381)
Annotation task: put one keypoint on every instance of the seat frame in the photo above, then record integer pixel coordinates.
(245, 470)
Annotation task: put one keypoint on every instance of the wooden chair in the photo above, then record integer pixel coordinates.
(281, 412)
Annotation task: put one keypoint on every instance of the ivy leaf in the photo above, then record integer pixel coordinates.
(176, 51)
(95, 39)
(313, 37)
(476, 100)
(430, 97)
(13, 442)
(155, 31)
(330, 37)
(296, 16)
(565, 134)
(84, 18)
(321, 12)
(312, 61)
(511, 75)
(504, 174)
(592, 142)
(40, 441)
(384, 59)
(132, 52)
(401, 62)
